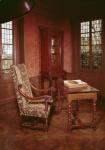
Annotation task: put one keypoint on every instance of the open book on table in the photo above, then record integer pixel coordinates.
(75, 84)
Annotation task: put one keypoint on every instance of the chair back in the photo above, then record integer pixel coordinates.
(20, 77)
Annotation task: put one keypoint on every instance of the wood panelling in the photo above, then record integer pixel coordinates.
(71, 55)
(32, 52)
(6, 90)
(30, 41)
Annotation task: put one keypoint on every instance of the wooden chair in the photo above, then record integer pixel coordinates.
(57, 83)
(61, 92)
(32, 109)
(42, 80)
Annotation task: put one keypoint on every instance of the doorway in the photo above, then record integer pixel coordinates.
(51, 48)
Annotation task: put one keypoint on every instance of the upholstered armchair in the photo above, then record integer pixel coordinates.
(35, 108)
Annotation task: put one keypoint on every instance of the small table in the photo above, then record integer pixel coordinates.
(88, 93)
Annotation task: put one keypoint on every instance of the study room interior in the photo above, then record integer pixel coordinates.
(52, 74)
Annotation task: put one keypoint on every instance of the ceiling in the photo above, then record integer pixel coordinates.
(75, 7)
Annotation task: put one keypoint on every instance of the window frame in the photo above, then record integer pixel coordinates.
(90, 45)
(14, 53)
(8, 44)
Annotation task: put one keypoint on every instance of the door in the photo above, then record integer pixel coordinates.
(56, 53)
(51, 45)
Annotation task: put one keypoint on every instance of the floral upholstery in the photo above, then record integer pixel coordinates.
(20, 76)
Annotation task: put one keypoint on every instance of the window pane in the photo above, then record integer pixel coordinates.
(84, 27)
(7, 45)
(85, 39)
(97, 48)
(96, 43)
(6, 36)
(96, 25)
(6, 63)
(85, 56)
(7, 51)
(91, 44)
(96, 56)
(7, 25)
(96, 38)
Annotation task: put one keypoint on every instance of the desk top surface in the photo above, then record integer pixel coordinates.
(87, 89)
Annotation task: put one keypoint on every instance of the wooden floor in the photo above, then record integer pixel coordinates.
(13, 137)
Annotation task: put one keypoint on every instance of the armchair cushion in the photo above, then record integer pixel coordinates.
(36, 110)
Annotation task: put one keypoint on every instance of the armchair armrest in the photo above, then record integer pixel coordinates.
(50, 89)
(37, 99)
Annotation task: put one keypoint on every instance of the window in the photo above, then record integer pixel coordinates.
(6, 46)
(55, 44)
(91, 44)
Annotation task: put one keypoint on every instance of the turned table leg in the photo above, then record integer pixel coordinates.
(69, 124)
(94, 113)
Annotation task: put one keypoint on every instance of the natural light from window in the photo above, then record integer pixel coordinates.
(7, 45)
(91, 44)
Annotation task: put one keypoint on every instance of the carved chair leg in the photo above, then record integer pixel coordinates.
(26, 122)
(46, 124)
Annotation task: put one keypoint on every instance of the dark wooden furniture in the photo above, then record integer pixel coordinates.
(74, 121)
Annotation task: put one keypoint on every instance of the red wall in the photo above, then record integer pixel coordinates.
(42, 18)
(32, 22)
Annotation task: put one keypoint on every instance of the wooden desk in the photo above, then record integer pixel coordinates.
(88, 93)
